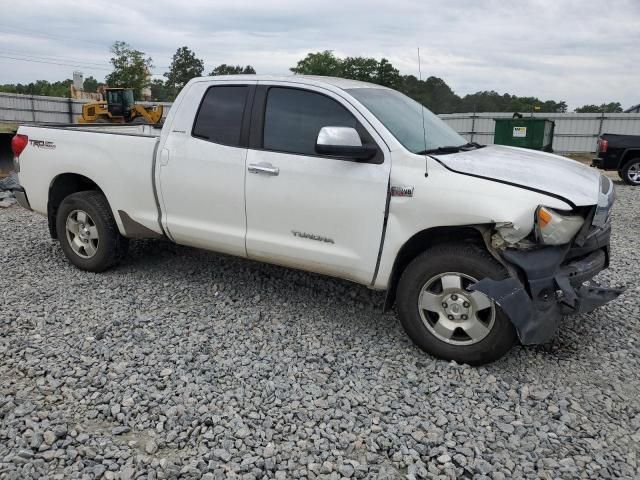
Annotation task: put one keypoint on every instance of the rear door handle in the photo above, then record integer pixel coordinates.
(164, 157)
(264, 168)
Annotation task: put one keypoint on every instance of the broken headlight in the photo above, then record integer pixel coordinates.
(555, 228)
(605, 202)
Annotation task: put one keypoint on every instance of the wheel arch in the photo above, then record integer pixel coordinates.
(426, 239)
(628, 155)
(61, 187)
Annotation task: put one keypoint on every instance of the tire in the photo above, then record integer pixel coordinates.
(630, 173)
(478, 330)
(139, 121)
(92, 242)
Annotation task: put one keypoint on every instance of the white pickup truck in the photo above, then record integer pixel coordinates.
(478, 246)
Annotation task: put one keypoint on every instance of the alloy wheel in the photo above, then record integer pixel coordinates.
(633, 172)
(82, 234)
(452, 313)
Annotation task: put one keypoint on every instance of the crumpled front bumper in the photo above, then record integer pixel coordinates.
(554, 281)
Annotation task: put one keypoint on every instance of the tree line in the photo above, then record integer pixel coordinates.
(131, 68)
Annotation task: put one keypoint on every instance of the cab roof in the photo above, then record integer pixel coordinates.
(318, 80)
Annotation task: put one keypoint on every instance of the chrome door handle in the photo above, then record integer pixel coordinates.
(264, 168)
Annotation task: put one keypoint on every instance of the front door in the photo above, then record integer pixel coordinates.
(306, 210)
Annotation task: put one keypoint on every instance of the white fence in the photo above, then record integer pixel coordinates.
(15, 108)
(574, 132)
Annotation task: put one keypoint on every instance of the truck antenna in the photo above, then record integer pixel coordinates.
(424, 129)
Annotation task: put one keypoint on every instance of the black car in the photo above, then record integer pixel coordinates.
(621, 153)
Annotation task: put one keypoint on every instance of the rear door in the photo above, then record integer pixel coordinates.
(307, 210)
(202, 167)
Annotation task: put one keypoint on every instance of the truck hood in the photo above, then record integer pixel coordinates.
(530, 169)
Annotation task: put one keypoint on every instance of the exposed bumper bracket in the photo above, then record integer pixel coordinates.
(590, 297)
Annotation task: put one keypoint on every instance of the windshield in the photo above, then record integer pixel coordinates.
(120, 96)
(128, 97)
(114, 96)
(402, 116)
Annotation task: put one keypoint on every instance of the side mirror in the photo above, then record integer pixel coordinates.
(343, 142)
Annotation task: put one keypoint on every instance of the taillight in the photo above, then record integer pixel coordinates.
(603, 145)
(18, 144)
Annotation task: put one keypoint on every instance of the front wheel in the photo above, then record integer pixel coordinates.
(88, 233)
(630, 173)
(445, 319)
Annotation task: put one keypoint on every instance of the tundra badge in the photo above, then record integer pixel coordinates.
(312, 236)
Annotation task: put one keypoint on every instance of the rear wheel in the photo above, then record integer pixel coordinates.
(630, 173)
(442, 316)
(88, 233)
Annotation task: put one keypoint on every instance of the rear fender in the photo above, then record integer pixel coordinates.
(629, 154)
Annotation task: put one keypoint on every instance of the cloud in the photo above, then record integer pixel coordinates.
(578, 51)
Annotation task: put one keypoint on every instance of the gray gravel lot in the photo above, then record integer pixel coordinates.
(184, 363)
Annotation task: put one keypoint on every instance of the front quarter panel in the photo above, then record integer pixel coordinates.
(444, 199)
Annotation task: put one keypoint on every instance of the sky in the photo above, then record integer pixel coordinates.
(579, 51)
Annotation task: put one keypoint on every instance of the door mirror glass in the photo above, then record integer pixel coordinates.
(343, 142)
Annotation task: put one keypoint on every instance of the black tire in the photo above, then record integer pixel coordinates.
(111, 246)
(629, 173)
(139, 121)
(469, 260)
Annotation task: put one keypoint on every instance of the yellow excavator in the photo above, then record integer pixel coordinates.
(119, 106)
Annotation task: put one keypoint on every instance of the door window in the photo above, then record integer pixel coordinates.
(293, 118)
(219, 118)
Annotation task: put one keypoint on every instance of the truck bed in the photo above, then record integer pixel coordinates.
(115, 129)
(119, 159)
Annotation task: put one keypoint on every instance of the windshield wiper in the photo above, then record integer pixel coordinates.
(445, 149)
(451, 149)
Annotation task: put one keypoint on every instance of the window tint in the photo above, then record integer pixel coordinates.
(293, 119)
(220, 116)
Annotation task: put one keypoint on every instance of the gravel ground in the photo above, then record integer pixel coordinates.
(184, 363)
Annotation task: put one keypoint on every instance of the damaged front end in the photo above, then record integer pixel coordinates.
(549, 281)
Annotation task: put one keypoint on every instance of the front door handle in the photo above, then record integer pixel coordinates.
(263, 168)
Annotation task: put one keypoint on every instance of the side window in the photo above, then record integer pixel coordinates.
(219, 118)
(293, 118)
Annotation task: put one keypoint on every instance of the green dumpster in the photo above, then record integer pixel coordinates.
(534, 133)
